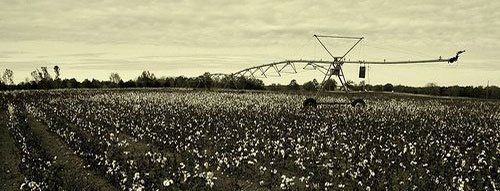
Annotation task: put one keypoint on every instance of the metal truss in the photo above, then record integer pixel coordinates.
(328, 68)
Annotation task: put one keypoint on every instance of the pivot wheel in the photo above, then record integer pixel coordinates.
(358, 103)
(310, 102)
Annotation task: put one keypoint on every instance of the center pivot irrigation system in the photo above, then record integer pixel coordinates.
(328, 68)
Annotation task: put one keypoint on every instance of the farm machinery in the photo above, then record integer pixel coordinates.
(330, 69)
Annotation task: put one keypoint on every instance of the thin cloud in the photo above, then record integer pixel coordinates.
(262, 29)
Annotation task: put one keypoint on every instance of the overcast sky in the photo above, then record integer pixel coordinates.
(91, 39)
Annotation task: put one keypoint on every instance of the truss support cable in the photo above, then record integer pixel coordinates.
(317, 38)
(352, 47)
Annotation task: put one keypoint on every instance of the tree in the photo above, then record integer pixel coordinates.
(432, 89)
(8, 76)
(181, 81)
(274, 87)
(36, 76)
(129, 84)
(115, 78)
(147, 75)
(146, 79)
(86, 84)
(96, 83)
(293, 85)
(45, 74)
(255, 84)
(70, 83)
(432, 84)
(241, 82)
(315, 82)
(362, 85)
(330, 84)
(204, 81)
(350, 84)
(310, 85)
(56, 71)
(388, 87)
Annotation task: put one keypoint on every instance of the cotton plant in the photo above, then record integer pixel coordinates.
(269, 134)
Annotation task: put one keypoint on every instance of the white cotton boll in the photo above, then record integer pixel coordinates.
(328, 184)
(22, 186)
(167, 182)
(283, 186)
(136, 176)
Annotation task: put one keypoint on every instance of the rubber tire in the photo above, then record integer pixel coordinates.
(310, 102)
(358, 103)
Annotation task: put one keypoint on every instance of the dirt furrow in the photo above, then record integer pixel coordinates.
(73, 173)
(10, 177)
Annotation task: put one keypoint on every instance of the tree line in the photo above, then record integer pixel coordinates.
(42, 78)
(488, 92)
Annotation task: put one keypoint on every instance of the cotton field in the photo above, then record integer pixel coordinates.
(164, 139)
